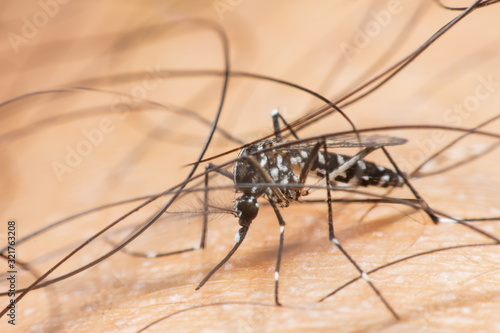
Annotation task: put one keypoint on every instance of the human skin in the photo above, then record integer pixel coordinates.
(449, 290)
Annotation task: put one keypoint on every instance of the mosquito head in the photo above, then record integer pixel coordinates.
(246, 209)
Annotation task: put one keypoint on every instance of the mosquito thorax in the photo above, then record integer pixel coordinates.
(246, 174)
(279, 165)
(246, 208)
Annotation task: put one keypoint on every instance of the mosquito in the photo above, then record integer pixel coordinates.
(285, 170)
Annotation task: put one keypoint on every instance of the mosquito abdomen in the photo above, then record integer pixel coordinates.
(363, 173)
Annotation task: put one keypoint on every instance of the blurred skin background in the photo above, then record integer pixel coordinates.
(70, 150)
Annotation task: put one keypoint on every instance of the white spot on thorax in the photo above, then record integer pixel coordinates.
(321, 159)
(274, 174)
(295, 160)
(279, 161)
(263, 160)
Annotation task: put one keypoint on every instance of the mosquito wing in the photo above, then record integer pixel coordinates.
(347, 141)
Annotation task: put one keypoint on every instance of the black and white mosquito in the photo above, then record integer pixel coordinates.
(279, 170)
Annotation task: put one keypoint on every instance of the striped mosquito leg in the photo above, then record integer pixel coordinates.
(429, 211)
(151, 254)
(423, 203)
(205, 201)
(276, 116)
(334, 240)
(331, 234)
(205, 217)
(280, 252)
(240, 236)
(313, 154)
